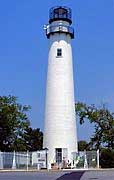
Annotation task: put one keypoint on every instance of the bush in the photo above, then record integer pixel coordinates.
(107, 158)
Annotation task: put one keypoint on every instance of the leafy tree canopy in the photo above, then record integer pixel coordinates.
(83, 145)
(15, 131)
(103, 121)
(34, 139)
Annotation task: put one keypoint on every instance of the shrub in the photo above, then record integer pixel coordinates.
(107, 158)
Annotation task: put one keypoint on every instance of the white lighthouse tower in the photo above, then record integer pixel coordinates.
(60, 122)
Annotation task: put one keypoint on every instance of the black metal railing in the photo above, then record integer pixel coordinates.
(60, 29)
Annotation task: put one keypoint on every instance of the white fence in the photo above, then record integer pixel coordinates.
(39, 159)
(86, 159)
(23, 160)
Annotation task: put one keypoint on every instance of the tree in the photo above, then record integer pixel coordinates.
(13, 123)
(33, 139)
(103, 121)
(107, 158)
(82, 145)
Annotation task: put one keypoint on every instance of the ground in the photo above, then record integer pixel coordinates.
(78, 175)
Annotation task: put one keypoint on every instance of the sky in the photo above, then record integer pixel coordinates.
(24, 54)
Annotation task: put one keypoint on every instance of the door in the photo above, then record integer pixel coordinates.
(58, 152)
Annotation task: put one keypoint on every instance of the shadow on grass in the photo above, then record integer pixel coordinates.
(72, 176)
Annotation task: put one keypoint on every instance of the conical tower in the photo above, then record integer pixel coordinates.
(60, 122)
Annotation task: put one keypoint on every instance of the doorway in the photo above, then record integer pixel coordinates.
(58, 153)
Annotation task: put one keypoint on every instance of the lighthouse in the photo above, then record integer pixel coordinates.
(60, 137)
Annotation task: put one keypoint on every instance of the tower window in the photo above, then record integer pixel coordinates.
(59, 52)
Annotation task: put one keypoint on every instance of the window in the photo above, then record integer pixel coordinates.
(59, 52)
(38, 155)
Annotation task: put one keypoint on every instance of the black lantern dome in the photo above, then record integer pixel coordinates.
(60, 13)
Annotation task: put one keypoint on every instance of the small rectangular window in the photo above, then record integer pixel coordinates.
(59, 52)
(39, 155)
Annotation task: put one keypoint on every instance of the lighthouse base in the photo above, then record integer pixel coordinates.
(60, 158)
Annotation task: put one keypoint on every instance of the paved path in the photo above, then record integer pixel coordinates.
(98, 175)
(78, 175)
(30, 175)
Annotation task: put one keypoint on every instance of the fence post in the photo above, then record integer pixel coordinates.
(27, 160)
(98, 158)
(14, 161)
(1, 160)
(85, 160)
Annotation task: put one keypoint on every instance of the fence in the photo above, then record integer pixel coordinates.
(23, 160)
(38, 159)
(86, 159)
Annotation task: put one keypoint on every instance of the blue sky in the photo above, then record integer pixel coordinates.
(24, 51)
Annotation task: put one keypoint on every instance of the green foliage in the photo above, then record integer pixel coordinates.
(34, 139)
(107, 158)
(83, 145)
(13, 121)
(15, 131)
(103, 121)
